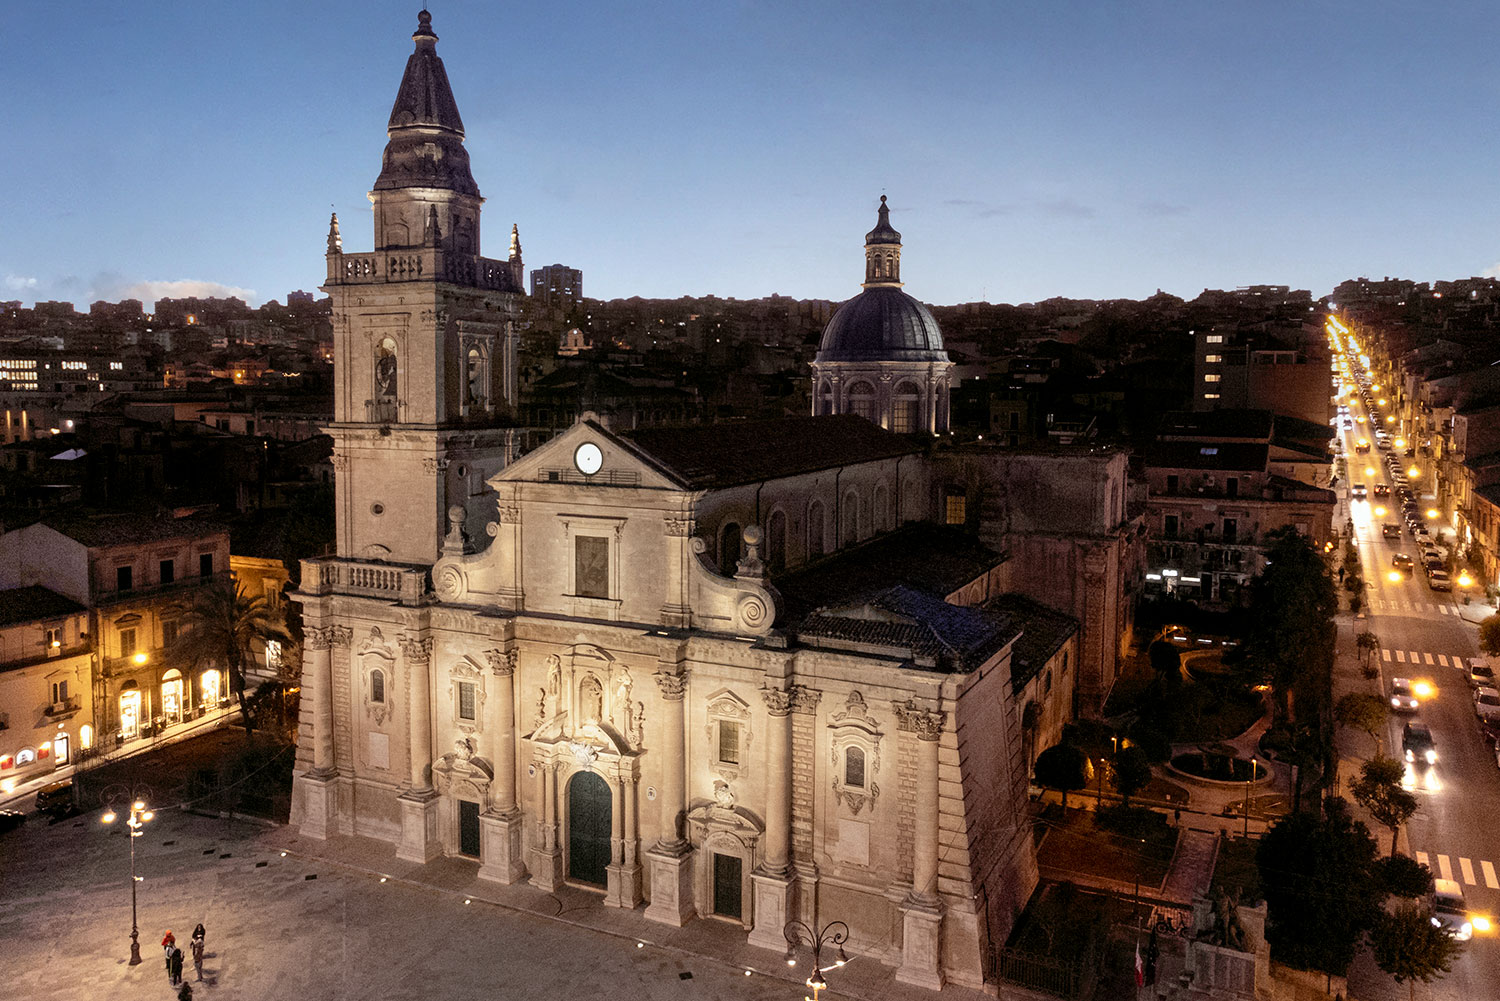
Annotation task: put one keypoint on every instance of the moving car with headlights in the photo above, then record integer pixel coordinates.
(1417, 744)
(1403, 699)
(1391, 530)
(1402, 562)
(1358, 491)
(1449, 909)
(1487, 704)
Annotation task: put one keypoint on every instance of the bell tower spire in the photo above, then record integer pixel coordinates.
(883, 252)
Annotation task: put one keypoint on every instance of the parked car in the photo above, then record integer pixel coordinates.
(1481, 675)
(1449, 909)
(1403, 699)
(1417, 744)
(1487, 704)
(56, 798)
(1438, 580)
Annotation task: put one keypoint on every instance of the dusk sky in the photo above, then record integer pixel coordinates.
(1029, 150)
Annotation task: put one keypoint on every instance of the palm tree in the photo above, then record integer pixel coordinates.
(1367, 643)
(222, 623)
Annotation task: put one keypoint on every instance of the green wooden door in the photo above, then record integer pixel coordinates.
(727, 874)
(588, 828)
(468, 828)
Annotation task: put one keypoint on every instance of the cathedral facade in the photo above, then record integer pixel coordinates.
(731, 672)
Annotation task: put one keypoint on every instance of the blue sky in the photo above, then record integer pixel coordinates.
(1029, 150)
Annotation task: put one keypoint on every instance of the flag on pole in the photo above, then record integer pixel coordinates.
(1140, 968)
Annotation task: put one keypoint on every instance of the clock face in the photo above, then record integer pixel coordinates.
(588, 458)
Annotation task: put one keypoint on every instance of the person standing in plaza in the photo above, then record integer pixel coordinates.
(196, 946)
(168, 943)
(174, 964)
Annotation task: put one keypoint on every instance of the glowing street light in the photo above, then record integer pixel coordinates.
(1399, 443)
(1414, 472)
(1394, 576)
(139, 817)
(1369, 470)
(1464, 580)
(139, 659)
(1432, 512)
(835, 933)
(1379, 512)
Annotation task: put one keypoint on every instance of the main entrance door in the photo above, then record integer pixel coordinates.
(588, 828)
(727, 875)
(468, 828)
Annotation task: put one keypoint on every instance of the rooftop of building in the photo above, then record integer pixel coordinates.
(1231, 456)
(715, 456)
(1044, 630)
(932, 633)
(1222, 424)
(34, 604)
(100, 530)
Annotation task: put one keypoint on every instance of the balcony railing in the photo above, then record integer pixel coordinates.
(418, 263)
(396, 582)
(66, 707)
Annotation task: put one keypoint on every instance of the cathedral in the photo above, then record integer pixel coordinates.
(734, 672)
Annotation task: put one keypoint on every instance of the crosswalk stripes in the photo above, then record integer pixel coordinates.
(1404, 605)
(1422, 658)
(1465, 869)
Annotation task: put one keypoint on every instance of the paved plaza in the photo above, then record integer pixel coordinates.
(284, 921)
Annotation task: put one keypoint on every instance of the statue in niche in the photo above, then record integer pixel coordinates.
(463, 748)
(553, 691)
(622, 701)
(723, 795)
(591, 700)
(635, 726)
(385, 369)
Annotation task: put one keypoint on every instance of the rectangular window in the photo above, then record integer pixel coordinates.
(124, 579)
(1172, 483)
(1210, 396)
(1231, 529)
(169, 632)
(466, 700)
(127, 642)
(54, 638)
(1232, 486)
(1169, 525)
(1212, 377)
(205, 564)
(955, 511)
(591, 566)
(59, 692)
(1214, 339)
(729, 742)
(168, 572)
(1213, 359)
(273, 654)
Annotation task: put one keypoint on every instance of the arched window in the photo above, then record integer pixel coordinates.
(815, 543)
(477, 397)
(825, 399)
(849, 517)
(881, 514)
(377, 686)
(854, 767)
(776, 542)
(905, 409)
(862, 400)
(729, 548)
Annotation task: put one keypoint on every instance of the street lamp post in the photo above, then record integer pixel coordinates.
(835, 934)
(139, 817)
(1248, 782)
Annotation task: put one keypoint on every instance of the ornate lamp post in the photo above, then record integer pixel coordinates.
(139, 817)
(835, 934)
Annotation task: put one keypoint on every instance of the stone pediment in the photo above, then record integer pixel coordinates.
(619, 462)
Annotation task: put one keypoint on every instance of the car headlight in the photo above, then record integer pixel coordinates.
(1395, 703)
(1431, 757)
(1410, 756)
(1435, 922)
(1466, 931)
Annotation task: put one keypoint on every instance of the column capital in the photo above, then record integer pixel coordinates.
(804, 699)
(927, 724)
(673, 686)
(502, 662)
(340, 635)
(415, 648)
(318, 637)
(778, 702)
(679, 527)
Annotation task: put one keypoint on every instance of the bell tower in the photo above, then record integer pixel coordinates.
(425, 335)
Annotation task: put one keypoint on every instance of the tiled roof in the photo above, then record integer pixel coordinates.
(122, 529)
(1043, 632)
(34, 603)
(932, 632)
(708, 456)
(934, 559)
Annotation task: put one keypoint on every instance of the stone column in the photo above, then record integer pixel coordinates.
(616, 894)
(507, 549)
(546, 857)
(316, 798)
(922, 911)
(677, 611)
(672, 857)
(419, 836)
(500, 826)
(772, 882)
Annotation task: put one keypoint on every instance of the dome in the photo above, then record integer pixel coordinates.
(882, 323)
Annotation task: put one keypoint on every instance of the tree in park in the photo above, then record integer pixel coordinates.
(1167, 663)
(1379, 790)
(221, 625)
(1361, 711)
(1291, 637)
(1367, 643)
(1321, 888)
(1063, 767)
(1132, 770)
(1410, 947)
(1489, 636)
(1404, 876)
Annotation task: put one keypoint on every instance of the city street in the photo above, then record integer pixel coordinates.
(1427, 636)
